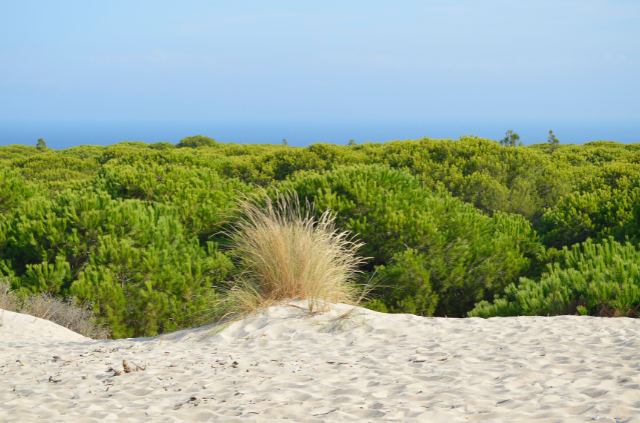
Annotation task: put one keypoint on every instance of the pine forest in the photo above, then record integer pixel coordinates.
(464, 228)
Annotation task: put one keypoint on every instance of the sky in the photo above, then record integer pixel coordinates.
(329, 61)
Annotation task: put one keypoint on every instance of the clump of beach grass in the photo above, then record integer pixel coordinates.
(287, 254)
(67, 312)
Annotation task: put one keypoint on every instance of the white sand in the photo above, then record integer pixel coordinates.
(376, 367)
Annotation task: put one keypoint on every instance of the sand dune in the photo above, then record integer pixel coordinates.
(286, 366)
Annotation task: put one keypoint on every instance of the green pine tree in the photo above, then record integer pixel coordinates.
(42, 146)
(553, 141)
(511, 139)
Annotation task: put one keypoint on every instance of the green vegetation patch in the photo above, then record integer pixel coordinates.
(449, 227)
(596, 279)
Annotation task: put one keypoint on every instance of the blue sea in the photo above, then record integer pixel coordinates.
(66, 134)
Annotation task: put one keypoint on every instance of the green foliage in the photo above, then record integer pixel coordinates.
(16, 151)
(139, 145)
(511, 139)
(162, 146)
(480, 172)
(553, 141)
(134, 226)
(595, 279)
(55, 171)
(466, 254)
(196, 141)
(130, 155)
(14, 190)
(160, 288)
(605, 212)
(608, 175)
(83, 152)
(199, 195)
(135, 262)
(42, 146)
(285, 162)
(410, 281)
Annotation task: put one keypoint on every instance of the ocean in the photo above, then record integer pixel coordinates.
(67, 134)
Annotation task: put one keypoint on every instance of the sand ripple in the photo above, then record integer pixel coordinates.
(285, 366)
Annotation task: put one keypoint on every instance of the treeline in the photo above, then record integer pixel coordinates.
(456, 228)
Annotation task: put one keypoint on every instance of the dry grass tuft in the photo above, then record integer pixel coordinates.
(66, 313)
(287, 255)
(8, 301)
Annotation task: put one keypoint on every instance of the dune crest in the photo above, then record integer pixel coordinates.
(349, 364)
(24, 327)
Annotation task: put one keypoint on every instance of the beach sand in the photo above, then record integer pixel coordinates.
(284, 365)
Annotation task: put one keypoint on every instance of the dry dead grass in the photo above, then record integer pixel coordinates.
(66, 313)
(8, 301)
(287, 254)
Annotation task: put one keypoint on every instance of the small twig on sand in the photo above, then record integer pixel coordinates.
(138, 367)
(126, 367)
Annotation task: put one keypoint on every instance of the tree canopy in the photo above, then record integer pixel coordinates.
(196, 141)
(451, 227)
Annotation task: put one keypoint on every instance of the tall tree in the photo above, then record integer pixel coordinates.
(42, 146)
(553, 141)
(511, 139)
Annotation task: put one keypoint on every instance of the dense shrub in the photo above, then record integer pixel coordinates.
(282, 163)
(480, 172)
(14, 190)
(199, 195)
(83, 152)
(605, 212)
(424, 244)
(55, 170)
(16, 151)
(594, 279)
(596, 153)
(134, 227)
(135, 262)
(196, 141)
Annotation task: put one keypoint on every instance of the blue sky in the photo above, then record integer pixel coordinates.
(319, 61)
